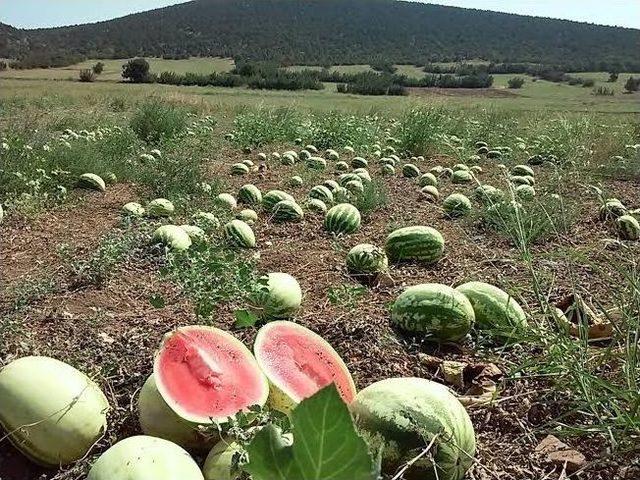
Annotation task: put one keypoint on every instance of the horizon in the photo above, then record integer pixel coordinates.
(34, 14)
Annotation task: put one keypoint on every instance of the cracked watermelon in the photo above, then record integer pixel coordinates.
(298, 363)
(207, 375)
(494, 309)
(437, 311)
(410, 413)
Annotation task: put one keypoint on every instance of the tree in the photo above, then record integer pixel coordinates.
(632, 85)
(87, 75)
(516, 82)
(136, 70)
(98, 68)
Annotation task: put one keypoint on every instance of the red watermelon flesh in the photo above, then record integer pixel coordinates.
(205, 374)
(299, 362)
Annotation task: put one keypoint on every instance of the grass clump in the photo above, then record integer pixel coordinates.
(156, 121)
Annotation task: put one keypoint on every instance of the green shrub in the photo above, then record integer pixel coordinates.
(87, 75)
(516, 82)
(155, 121)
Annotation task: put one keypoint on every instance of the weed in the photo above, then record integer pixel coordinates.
(346, 296)
(157, 121)
(30, 291)
(372, 198)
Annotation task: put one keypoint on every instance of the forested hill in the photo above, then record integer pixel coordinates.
(333, 32)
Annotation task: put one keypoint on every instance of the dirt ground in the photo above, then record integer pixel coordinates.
(111, 332)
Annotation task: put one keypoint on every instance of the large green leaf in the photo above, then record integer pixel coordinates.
(326, 445)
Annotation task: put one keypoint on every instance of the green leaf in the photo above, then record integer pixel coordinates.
(326, 445)
(157, 301)
(244, 319)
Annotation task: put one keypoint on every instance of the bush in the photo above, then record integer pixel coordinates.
(98, 68)
(87, 75)
(603, 91)
(3, 66)
(383, 67)
(154, 122)
(136, 70)
(516, 82)
(613, 77)
(632, 85)
(589, 83)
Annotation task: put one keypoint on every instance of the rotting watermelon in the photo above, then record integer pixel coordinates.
(298, 363)
(207, 375)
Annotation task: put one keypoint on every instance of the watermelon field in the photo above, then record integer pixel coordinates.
(197, 292)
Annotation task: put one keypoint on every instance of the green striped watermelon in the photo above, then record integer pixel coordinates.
(296, 181)
(91, 181)
(272, 197)
(354, 187)
(160, 207)
(387, 170)
(287, 211)
(525, 192)
(332, 185)
(341, 166)
(456, 205)
(172, 236)
(494, 309)
(488, 194)
(438, 311)
(428, 179)
(359, 162)
(316, 163)
(347, 177)
(411, 413)
(365, 259)
(315, 205)
(239, 234)
(248, 216)
(523, 170)
(421, 243)
(321, 193)
(364, 175)
(409, 170)
(250, 194)
(461, 176)
(239, 169)
(342, 218)
(628, 227)
(430, 193)
(226, 200)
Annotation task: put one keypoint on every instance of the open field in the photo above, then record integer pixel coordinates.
(84, 283)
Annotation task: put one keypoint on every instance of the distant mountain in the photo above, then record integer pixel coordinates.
(335, 32)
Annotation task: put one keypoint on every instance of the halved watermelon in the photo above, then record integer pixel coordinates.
(298, 363)
(207, 375)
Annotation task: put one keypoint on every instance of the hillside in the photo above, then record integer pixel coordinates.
(335, 31)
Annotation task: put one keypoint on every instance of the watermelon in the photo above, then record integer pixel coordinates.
(249, 163)
(517, 180)
(279, 296)
(409, 170)
(347, 177)
(461, 176)
(460, 166)
(428, 179)
(160, 207)
(296, 181)
(387, 170)
(525, 192)
(298, 363)
(206, 375)
(612, 209)
(494, 154)
(409, 414)
(262, 157)
(50, 411)
(332, 155)
(171, 236)
(110, 178)
(481, 144)
(484, 150)
(628, 227)
(134, 209)
(248, 216)
(311, 148)
(157, 419)
(366, 259)
(91, 181)
(341, 195)
(287, 159)
(359, 162)
(430, 193)
(332, 185)
(239, 234)
(439, 312)
(456, 205)
(239, 169)
(342, 218)
(522, 170)
(287, 211)
(476, 169)
(196, 234)
(143, 458)
(316, 163)
(206, 221)
(354, 187)
(341, 166)
(274, 196)
(494, 309)
(321, 193)
(305, 154)
(420, 243)
(226, 200)
(363, 173)
(315, 205)
(488, 194)
(250, 195)
(222, 463)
